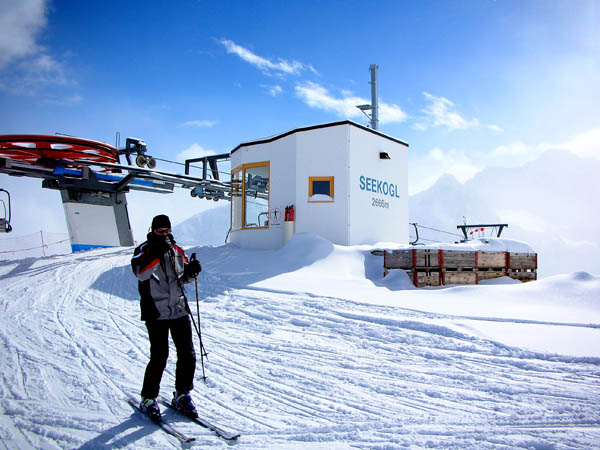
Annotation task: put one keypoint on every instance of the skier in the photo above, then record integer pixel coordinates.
(161, 268)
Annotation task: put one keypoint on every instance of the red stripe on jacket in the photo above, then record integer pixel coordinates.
(176, 247)
(150, 266)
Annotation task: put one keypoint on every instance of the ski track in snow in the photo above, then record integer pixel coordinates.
(285, 370)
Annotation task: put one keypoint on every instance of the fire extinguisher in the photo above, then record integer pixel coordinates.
(289, 213)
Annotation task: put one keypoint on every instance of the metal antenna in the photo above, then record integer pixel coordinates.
(374, 100)
(374, 106)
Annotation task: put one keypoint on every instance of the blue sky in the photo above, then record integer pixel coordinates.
(468, 84)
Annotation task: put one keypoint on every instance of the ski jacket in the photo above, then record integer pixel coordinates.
(159, 285)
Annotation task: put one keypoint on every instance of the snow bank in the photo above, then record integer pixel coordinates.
(312, 265)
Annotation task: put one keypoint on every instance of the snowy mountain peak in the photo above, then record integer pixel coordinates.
(446, 181)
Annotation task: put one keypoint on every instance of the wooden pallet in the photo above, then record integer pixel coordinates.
(426, 278)
(490, 274)
(433, 267)
(459, 277)
(398, 259)
(412, 259)
(455, 259)
(523, 275)
(522, 261)
(491, 259)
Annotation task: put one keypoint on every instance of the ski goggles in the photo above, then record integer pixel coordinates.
(162, 230)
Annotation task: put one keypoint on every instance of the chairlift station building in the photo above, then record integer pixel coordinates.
(347, 183)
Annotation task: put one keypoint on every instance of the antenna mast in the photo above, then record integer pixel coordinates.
(374, 100)
(374, 106)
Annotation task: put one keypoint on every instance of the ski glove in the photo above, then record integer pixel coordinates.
(157, 245)
(193, 269)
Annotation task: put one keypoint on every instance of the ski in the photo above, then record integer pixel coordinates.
(165, 426)
(227, 435)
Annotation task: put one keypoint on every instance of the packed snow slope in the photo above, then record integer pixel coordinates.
(309, 347)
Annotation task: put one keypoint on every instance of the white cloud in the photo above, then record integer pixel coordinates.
(440, 113)
(25, 66)
(495, 128)
(74, 99)
(518, 149)
(273, 91)
(391, 113)
(193, 151)
(279, 66)
(20, 23)
(200, 123)
(43, 69)
(29, 76)
(585, 144)
(455, 162)
(316, 96)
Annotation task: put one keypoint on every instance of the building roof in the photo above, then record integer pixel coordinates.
(315, 127)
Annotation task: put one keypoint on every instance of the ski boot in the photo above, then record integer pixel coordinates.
(149, 406)
(183, 403)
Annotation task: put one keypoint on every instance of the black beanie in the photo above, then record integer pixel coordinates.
(161, 221)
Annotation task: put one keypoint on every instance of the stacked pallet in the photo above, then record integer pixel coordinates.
(436, 267)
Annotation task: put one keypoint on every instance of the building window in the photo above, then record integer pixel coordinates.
(320, 189)
(250, 196)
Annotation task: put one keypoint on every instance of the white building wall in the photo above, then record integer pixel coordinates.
(323, 152)
(370, 202)
(378, 209)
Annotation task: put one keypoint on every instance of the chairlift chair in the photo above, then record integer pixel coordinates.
(5, 226)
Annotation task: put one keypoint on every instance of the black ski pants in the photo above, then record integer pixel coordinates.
(181, 332)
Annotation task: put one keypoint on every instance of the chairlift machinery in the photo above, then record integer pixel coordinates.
(91, 179)
(213, 189)
(468, 230)
(137, 146)
(69, 162)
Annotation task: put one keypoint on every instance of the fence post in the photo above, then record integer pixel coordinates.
(43, 248)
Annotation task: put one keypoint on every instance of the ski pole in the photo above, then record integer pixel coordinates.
(199, 330)
(187, 308)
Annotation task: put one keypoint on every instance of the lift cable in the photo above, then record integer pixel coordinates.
(440, 231)
(191, 165)
(429, 240)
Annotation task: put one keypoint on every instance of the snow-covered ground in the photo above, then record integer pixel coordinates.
(309, 347)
